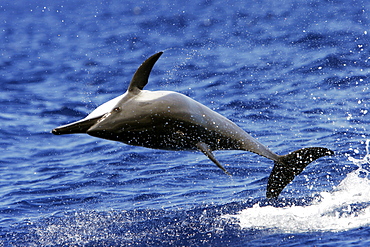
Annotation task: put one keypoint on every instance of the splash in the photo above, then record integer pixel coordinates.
(347, 207)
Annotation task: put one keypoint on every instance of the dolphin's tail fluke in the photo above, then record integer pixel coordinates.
(290, 165)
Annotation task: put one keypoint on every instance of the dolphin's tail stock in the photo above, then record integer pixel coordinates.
(290, 165)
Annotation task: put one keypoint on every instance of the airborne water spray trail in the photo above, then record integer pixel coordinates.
(365, 160)
(345, 208)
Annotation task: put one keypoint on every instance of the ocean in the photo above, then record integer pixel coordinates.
(293, 74)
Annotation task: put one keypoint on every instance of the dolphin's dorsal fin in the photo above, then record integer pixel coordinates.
(207, 151)
(140, 78)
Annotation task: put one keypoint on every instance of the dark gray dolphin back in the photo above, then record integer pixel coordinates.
(141, 76)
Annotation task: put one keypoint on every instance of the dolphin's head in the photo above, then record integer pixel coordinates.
(83, 125)
(105, 118)
(131, 113)
(109, 125)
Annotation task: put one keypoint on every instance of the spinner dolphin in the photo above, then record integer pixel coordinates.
(172, 121)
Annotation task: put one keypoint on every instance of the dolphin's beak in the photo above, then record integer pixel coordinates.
(77, 127)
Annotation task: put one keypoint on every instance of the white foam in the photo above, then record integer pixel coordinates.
(345, 208)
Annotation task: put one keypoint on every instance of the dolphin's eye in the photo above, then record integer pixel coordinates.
(117, 109)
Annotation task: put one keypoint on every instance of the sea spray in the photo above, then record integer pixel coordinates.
(346, 207)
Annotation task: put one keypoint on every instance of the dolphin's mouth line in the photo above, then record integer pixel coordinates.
(104, 117)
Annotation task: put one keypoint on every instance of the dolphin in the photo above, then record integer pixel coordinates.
(172, 121)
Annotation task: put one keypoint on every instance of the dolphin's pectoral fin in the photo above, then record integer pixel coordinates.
(207, 151)
(141, 76)
(290, 165)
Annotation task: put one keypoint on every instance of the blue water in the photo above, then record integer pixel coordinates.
(292, 73)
